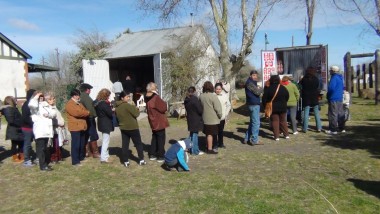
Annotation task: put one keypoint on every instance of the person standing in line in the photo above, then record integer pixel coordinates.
(117, 88)
(294, 96)
(127, 116)
(194, 111)
(27, 129)
(104, 111)
(212, 112)
(280, 97)
(129, 85)
(43, 117)
(156, 109)
(252, 94)
(13, 131)
(226, 108)
(91, 137)
(335, 100)
(77, 124)
(309, 93)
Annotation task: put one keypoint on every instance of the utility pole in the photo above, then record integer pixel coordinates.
(43, 74)
(266, 41)
(59, 69)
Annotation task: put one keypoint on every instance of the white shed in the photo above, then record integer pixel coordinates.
(140, 55)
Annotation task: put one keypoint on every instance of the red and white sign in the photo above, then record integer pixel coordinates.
(268, 64)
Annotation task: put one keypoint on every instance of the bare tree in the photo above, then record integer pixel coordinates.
(369, 10)
(310, 8)
(252, 14)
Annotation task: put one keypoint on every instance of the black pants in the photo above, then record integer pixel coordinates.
(17, 147)
(157, 145)
(218, 139)
(126, 135)
(42, 152)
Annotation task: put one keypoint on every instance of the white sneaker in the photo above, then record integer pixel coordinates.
(277, 139)
(343, 131)
(126, 164)
(201, 153)
(330, 132)
(286, 137)
(295, 132)
(142, 162)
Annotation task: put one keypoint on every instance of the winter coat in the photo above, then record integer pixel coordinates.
(194, 111)
(279, 104)
(212, 109)
(310, 90)
(42, 116)
(294, 94)
(156, 109)
(105, 114)
(127, 114)
(88, 103)
(335, 88)
(226, 105)
(76, 116)
(177, 152)
(27, 121)
(13, 117)
(252, 92)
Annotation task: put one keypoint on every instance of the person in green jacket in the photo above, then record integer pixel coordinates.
(294, 96)
(127, 114)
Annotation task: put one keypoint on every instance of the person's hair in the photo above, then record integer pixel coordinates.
(274, 79)
(123, 94)
(218, 84)
(9, 100)
(151, 87)
(208, 87)
(74, 92)
(103, 94)
(190, 91)
(310, 73)
(253, 72)
(285, 78)
(48, 95)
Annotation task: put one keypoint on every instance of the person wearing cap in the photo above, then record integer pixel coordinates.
(176, 156)
(252, 94)
(335, 101)
(91, 148)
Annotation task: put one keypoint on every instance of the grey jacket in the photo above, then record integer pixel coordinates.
(212, 109)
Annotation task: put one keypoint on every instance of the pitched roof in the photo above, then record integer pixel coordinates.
(149, 42)
(15, 47)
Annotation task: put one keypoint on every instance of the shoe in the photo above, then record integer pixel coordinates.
(126, 164)
(319, 130)
(286, 137)
(212, 152)
(244, 142)
(331, 132)
(223, 147)
(95, 149)
(295, 133)
(108, 161)
(28, 163)
(160, 160)
(343, 131)
(16, 159)
(201, 153)
(152, 158)
(46, 169)
(77, 165)
(277, 139)
(142, 162)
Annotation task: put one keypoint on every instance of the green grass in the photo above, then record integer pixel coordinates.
(292, 176)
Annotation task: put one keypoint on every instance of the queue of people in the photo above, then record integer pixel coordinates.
(40, 120)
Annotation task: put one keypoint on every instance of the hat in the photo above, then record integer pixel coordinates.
(188, 143)
(334, 68)
(85, 86)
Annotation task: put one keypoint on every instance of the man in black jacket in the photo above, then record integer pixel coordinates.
(27, 129)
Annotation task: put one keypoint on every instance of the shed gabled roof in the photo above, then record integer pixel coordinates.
(145, 43)
(14, 46)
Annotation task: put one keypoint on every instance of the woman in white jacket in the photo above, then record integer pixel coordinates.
(226, 108)
(42, 116)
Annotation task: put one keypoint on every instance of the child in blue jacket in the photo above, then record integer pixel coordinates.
(176, 156)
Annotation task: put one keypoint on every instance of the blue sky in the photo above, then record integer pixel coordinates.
(40, 26)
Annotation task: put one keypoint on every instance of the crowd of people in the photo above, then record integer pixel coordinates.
(40, 119)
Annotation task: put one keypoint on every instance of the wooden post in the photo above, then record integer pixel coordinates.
(352, 79)
(358, 79)
(347, 71)
(364, 77)
(377, 73)
(370, 73)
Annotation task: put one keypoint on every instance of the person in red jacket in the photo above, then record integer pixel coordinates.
(156, 109)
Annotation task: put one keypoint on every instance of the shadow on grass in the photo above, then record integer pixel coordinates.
(365, 137)
(4, 154)
(242, 110)
(370, 187)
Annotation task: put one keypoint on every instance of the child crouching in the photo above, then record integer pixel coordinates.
(176, 156)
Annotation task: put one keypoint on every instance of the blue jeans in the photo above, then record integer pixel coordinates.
(252, 133)
(306, 112)
(28, 137)
(77, 146)
(194, 139)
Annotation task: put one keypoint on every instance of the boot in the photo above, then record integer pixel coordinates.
(16, 159)
(95, 150)
(21, 156)
(88, 150)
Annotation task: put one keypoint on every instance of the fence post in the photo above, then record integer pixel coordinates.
(364, 77)
(377, 72)
(347, 71)
(352, 79)
(358, 79)
(370, 77)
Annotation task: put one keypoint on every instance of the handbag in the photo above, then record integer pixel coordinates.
(62, 136)
(268, 105)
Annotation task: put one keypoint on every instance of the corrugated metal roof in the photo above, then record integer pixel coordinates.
(147, 42)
